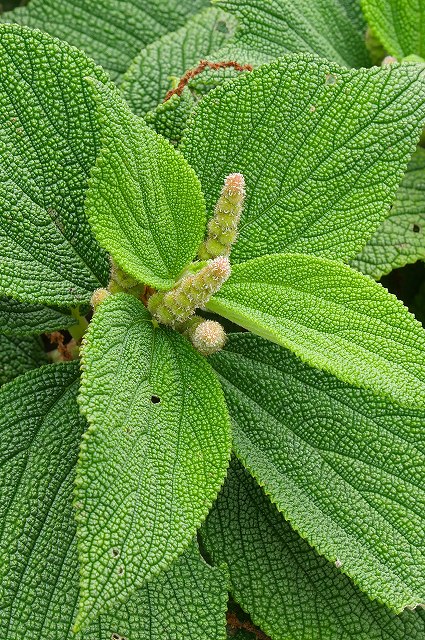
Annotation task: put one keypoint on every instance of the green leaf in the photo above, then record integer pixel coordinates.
(400, 239)
(40, 434)
(49, 143)
(345, 467)
(288, 589)
(111, 33)
(148, 78)
(21, 319)
(322, 150)
(333, 29)
(398, 24)
(154, 457)
(144, 202)
(40, 427)
(19, 354)
(170, 118)
(333, 318)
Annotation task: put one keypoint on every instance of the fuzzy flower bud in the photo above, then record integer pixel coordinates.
(98, 297)
(223, 226)
(191, 292)
(208, 337)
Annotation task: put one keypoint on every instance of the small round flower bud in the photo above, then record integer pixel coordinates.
(208, 337)
(388, 60)
(98, 297)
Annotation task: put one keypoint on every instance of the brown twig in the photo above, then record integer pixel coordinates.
(205, 64)
(234, 622)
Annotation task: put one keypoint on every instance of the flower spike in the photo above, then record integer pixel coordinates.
(223, 226)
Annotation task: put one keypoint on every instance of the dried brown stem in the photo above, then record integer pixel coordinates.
(205, 64)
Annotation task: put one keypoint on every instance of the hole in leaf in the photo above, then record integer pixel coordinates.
(115, 552)
(120, 570)
(155, 399)
(416, 228)
(330, 79)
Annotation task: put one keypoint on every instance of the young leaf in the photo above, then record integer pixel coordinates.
(21, 319)
(19, 354)
(345, 467)
(40, 434)
(333, 318)
(154, 457)
(148, 78)
(110, 32)
(333, 29)
(400, 239)
(144, 202)
(48, 145)
(322, 150)
(288, 589)
(398, 25)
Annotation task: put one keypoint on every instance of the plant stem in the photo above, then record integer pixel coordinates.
(78, 330)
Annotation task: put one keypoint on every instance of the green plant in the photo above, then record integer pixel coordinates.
(283, 462)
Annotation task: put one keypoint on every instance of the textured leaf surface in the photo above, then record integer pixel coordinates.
(48, 143)
(346, 467)
(289, 590)
(18, 355)
(40, 435)
(400, 239)
(21, 319)
(399, 24)
(322, 150)
(333, 29)
(170, 118)
(144, 202)
(40, 426)
(148, 78)
(154, 456)
(333, 318)
(110, 32)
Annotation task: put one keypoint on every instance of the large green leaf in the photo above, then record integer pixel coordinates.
(40, 431)
(399, 24)
(111, 32)
(333, 318)
(400, 239)
(346, 467)
(19, 354)
(154, 457)
(333, 29)
(40, 427)
(322, 150)
(144, 202)
(48, 143)
(21, 319)
(289, 590)
(148, 78)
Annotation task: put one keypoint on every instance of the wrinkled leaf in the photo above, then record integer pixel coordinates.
(333, 29)
(144, 202)
(398, 24)
(148, 78)
(41, 430)
(400, 239)
(346, 468)
(154, 457)
(110, 32)
(19, 354)
(322, 150)
(48, 144)
(21, 319)
(289, 590)
(333, 318)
